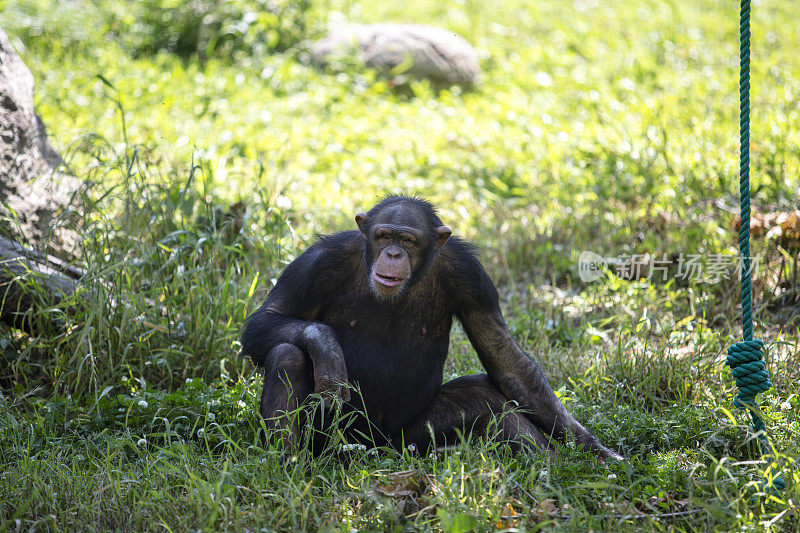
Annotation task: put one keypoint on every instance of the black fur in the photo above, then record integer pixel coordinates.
(395, 351)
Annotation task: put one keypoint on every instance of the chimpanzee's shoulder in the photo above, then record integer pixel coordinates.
(341, 245)
(459, 260)
(464, 275)
(336, 251)
(322, 267)
(348, 239)
(457, 250)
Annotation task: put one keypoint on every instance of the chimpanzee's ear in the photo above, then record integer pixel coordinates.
(360, 219)
(442, 234)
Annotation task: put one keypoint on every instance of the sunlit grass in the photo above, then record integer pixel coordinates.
(598, 126)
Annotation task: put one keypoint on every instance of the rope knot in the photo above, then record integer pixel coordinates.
(747, 365)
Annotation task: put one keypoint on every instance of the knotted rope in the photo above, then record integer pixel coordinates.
(746, 358)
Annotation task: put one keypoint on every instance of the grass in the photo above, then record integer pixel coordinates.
(608, 127)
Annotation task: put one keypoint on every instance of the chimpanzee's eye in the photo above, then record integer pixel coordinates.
(408, 242)
(382, 237)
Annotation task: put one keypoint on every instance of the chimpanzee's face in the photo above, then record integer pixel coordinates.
(398, 245)
(398, 251)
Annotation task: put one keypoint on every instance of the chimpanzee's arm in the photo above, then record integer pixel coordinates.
(289, 316)
(517, 376)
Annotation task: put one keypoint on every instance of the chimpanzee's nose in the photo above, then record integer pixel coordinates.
(394, 253)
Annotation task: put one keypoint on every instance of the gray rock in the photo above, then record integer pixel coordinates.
(403, 51)
(35, 191)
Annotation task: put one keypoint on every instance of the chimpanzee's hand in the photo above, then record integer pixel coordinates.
(327, 358)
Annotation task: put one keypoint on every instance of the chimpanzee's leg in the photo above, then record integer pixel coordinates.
(288, 379)
(468, 405)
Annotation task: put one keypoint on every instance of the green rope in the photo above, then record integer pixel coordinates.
(745, 358)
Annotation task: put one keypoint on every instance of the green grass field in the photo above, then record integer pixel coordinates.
(609, 127)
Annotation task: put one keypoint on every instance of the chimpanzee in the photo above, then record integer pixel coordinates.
(374, 308)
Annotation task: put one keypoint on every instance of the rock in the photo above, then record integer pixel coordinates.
(37, 193)
(417, 52)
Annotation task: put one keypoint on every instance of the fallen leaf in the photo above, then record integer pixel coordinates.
(508, 518)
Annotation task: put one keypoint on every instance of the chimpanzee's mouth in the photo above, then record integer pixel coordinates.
(388, 281)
